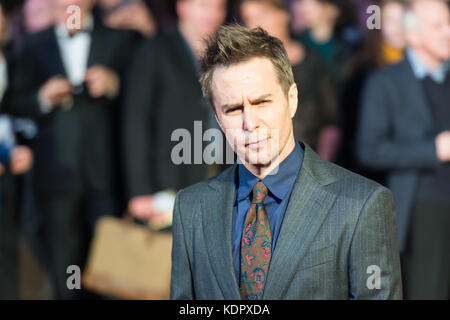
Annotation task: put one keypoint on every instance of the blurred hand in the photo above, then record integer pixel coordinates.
(2, 169)
(101, 81)
(21, 160)
(55, 91)
(443, 146)
(141, 207)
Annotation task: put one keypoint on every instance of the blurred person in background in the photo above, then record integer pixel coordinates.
(38, 15)
(316, 120)
(15, 160)
(327, 25)
(129, 15)
(163, 94)
(381, 47)
(405, 129)
(69, 80)
(297, 25)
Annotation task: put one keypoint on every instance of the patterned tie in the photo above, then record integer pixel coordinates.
(256, 247)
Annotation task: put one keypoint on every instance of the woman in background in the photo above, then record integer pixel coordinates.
(328, 30)
(380, 47)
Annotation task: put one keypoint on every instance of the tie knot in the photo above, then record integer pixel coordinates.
(259, 192)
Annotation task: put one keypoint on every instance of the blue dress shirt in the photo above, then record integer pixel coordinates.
(421, 71)
(280, 187)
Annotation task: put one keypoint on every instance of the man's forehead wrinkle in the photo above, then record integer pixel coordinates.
(242, 83)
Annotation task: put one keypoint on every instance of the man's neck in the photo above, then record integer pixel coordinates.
(261, 171)
(194, 40)
(432, 63)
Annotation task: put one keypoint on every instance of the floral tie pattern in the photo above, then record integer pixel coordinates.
(256, 247)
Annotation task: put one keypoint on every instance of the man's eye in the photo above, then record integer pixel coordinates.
(234, 110)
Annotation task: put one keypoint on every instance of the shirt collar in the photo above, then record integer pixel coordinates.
(421, 71)
(278, 183)
(88, 26)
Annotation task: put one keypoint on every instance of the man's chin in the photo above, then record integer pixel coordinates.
(259, 159)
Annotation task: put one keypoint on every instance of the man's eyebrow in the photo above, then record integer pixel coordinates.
(231, 106)
(260, 98)
(239, 104)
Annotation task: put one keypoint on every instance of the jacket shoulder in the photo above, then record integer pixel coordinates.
(390, 73)
(350, 186)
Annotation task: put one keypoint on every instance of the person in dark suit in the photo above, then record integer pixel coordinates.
(15, 160)
(282, 224)
(163, 94)
(405, 129)
(69, 81)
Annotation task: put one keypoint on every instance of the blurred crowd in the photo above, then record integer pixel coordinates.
(87, 115)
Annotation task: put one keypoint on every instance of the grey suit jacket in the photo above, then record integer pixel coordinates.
(337, 225)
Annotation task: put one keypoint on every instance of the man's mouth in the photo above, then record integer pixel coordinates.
(257, 144)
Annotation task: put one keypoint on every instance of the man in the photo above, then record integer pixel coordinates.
(163, 95)
(316, 121)
(284, 224)
(69, 80)
(405, 130)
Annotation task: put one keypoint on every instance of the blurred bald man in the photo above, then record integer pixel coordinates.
(69, 81)
(405, 130)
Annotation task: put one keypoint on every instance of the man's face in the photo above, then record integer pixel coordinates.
(433, 33)
(261, 14)
(203, 16)
(253, 110)
(392, 28)
(38, 14)
(84, 5)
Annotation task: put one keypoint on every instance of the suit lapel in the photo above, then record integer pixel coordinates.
(217, 228)
(308, 207)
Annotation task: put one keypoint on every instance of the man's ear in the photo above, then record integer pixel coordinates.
(293, 99)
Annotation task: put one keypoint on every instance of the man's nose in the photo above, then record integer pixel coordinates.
(250, 121)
